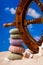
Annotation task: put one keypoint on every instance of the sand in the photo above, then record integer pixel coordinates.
(30, 61)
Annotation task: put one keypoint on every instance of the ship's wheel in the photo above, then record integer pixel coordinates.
(21, 23)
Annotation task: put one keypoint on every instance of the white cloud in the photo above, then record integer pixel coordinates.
(33, 13)
(12, 10)
(6, 8)
(30, 26)
(37, 38)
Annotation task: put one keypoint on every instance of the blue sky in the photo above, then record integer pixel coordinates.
(7, 14)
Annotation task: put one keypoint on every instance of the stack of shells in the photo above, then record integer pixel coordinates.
(16, 49)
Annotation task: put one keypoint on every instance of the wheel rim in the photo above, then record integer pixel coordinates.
(25, 35)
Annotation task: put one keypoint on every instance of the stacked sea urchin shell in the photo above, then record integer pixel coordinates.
(15, 48)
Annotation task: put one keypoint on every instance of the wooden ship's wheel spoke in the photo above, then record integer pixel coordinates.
(21, 23)
(26, 22)
(9, 24)
(39, 4)
(34, 21)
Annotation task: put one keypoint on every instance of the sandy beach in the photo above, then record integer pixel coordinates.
(29, 61)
